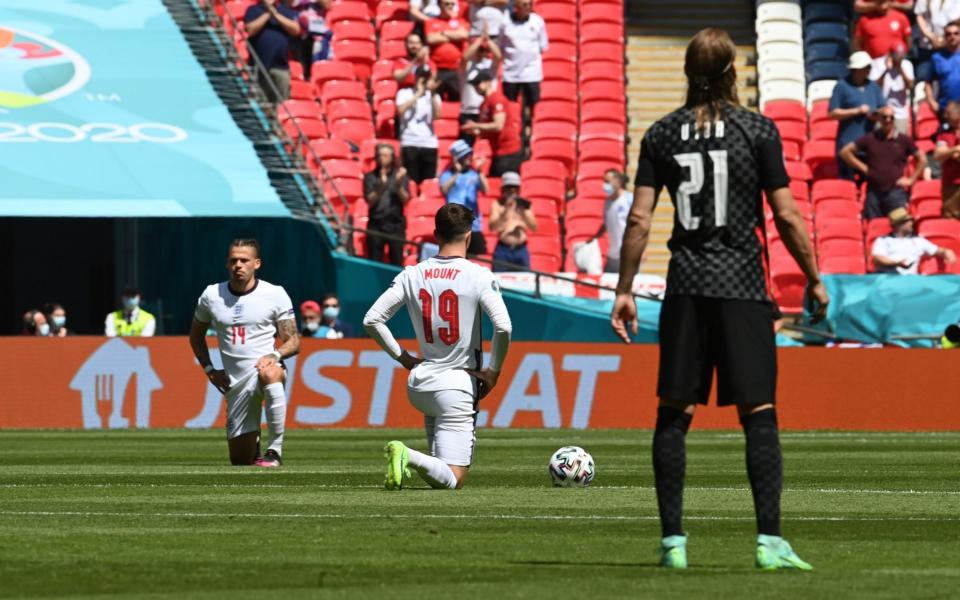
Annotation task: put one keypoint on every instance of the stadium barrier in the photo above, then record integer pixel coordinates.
(93, 383)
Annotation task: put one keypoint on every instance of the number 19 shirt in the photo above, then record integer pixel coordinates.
(246, 324)
(715, 178)
(443, 296)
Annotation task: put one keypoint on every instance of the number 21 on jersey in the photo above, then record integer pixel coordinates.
(448, 309)
(693, 161)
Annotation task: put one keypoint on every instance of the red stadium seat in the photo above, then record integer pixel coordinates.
(832, 208)
(430, 188)
(296, 69)
(819, 111)
(561, 32)
(425, 206)
(553, 110)
(560, 51)
(926, 208)
(924, 190)
(554, 130)
(347, 11)
(786, 110)
(601, 90)
(834, 247)
(555, 70)
(386, 112)
(597, 12)
(338, 89)
(844, 228)
(311, 128)
(792, 130)
(833, 188)
(946, 234)
(557, 13)
(591, 206)
(392, 49)
(791, 150)
(548, 190)
(391, 11)
(928, 124)
(385, 89)
(604, 110)
(300, 108)
(824, 130)
(382, 71)
(360, 53)
(368, 152)
(542, 169)
(560, 90)
(396, 30)
(353, 130)
(598, 71)
(331, 70)
(450, 111)
(800, 191)
(846, 265)
(602, 51)
(302, 90)
(330, 149)
(603, 130)
(565, 152)
(821, 157)
(354, 30)
(348, 109)
(602, 32)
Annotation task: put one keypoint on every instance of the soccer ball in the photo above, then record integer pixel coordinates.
(571, 466)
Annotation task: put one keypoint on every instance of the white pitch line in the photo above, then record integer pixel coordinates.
(199, 515)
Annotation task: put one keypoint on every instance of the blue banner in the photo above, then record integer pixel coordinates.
(104, 111)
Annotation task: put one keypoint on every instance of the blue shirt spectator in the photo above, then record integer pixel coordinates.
(461, 183)
(271, 26)
(853, 103)
(945, 69)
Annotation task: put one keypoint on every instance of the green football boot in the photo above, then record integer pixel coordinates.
(673, 552)
(774, 552)
(397, 459)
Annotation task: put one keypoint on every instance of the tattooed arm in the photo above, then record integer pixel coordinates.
(289, 344)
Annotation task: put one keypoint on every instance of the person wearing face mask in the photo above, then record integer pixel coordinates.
(323, 320)
(460, 183)
(35, 324)
(130, 320)
(57, 317)
(615, 212)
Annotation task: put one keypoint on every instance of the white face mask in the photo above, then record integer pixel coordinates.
(131, 302)
(330, 313)
(312, 326)
(43, 329)
(59, 321)
(608, 188)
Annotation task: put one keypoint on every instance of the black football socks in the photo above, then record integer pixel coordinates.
(764, 468)
(669, 466)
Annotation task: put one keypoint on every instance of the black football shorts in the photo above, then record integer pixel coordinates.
(735, 337)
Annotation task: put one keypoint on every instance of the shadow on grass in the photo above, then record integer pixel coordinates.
(631, 565)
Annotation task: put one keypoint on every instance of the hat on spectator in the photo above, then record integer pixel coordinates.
(859, 60)
(479, 76)
(310, 306)
(460, 149)
(510, 178)
(898, 216)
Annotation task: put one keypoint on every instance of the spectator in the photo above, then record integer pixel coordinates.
(57, 318)
(852, 102)
(315, 36)
(417, 108)
(483, 54)
(130, 320)
(270, 26)
(523, 41)
(945, 70)
(901, 250)
(885, 152)
(932, 17)
(446, 36)
(35, 323)
(615, 211)
(511, 217)
(499, 122)
(405, 67)
(880, 31)
(324, 322)
(460, 184)
(421, 11)
(948, 154)
(386, 191)
(896, 81)
(486, 15)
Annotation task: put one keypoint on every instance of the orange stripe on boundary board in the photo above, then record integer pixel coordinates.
(77, 383)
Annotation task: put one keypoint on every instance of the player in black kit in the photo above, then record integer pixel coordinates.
(716, 159)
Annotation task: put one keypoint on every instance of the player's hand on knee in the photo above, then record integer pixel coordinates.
(624, 316)
(817, 301)
(219, 379)
(486, 378)
(265, 362)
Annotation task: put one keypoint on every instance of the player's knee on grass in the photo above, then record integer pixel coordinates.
(461, 474)
(272, 374)
(243, 449)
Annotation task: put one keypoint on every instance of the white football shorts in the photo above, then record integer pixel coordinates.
(449, 418)
(244, 406)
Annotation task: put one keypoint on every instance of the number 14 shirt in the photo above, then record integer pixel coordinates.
(715, 178)
(246, 324)
(443, 296)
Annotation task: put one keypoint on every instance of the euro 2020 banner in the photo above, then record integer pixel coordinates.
(104, 111)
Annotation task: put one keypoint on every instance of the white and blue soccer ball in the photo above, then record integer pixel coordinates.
(571, 466)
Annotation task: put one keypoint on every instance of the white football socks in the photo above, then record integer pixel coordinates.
(276, 415)
(433, 470)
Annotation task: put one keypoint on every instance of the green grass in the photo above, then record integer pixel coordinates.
(160, 514)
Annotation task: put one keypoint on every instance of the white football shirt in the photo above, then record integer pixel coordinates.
(246, 325)
(443, 296)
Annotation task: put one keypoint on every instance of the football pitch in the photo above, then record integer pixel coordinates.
(160, 514)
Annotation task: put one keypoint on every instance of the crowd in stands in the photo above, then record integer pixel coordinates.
(536, 92)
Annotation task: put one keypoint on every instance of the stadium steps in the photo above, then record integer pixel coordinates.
(254, 116)
(657, 36)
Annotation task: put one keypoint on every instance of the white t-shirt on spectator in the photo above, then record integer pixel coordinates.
(523, 45)
(416, 124)
(615, 213)
(470, 99)
(894, 87)
(431, 8)
(491, 15)
(911, 249)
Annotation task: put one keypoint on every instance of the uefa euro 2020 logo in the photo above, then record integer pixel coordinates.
(35, 69)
